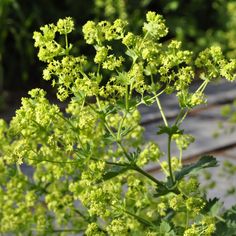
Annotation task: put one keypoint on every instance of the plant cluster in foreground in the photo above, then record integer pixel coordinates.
(82, 170)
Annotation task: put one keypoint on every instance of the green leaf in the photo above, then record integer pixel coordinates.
(108, 138)
(213, 206)
(216, 208)
(114, 171)
(134, 155)
(131, 53)
(228, 226)
(148, 100)
(204, 162)
(165, 229)
(165, 188)
(169, 130)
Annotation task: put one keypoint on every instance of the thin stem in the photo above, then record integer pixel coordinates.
(148, 175)
(180, 155)
(144, 38)
(67, 46)
(187, 219)
(88, 219)
(98, 103)
(169, 159)
(58, 230)
(110, 131)
(117, 140)
(220, 219)
(161, 110)
(120, 126)
(57, 162)
(66, 230)
(116, 164)
(73, 127)
(182, 119)
(18, 169)
(98, 69)
(202, 86)
(125, 152)
(127, 98)
(139, 218)
(181, 116)
(163, 168)
(111, 163)
(150, 99)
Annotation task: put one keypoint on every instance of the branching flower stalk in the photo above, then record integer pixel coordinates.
(88, 162)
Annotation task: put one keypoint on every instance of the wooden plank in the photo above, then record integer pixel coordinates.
(217, 93)
(202, 127)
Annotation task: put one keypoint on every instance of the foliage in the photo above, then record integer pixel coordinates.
(82, 169)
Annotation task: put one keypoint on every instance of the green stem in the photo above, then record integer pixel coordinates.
(187, 219)
(120, 125)
(169, 159)
(124, 151)
(87, 219)
(116, 164)
(144, 38)
(150, 99)
(73, 127)
(18, 169)
(109, 129)
(202, 86)
(135, 167)
(140, 219)
(163, 168)
(98, 103)
(161, 111)
(57, 230)
(181, 116)
(180, 155)
(56, 162)
(127, 98)
(66, 230)
(117, 140)
(67, 46)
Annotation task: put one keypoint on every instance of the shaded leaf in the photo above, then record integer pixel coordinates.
(212, 205)
(148, 100)
(165, 229)
(114, 171)
(228, 226)
(204, 162)
(132, 53)
(165, 188)
(169, 130)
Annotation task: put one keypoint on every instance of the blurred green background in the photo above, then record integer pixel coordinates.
(197, 23)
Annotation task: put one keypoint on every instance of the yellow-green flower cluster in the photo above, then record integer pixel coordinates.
(65, 26)
(104, 30)
(45, 41)
(213, 64)
(155, 25)
(80, 168)
(183, 140)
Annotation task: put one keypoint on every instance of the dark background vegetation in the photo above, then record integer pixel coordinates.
(198, 23)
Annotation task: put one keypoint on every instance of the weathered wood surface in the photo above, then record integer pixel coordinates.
(202, 123)
(224, 182)
(218, 93)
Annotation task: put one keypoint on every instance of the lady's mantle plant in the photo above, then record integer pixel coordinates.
(83, 167)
